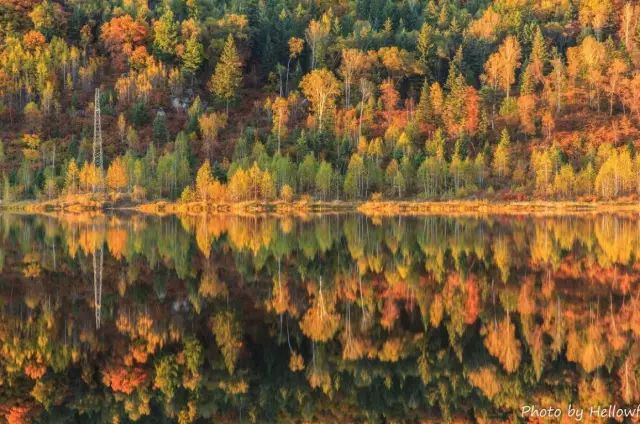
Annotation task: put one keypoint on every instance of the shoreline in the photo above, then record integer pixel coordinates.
(86, 204)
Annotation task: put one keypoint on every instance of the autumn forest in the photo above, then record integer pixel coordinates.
(197, 215)
(216, 101)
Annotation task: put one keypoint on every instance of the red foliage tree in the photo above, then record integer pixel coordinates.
(121, 35)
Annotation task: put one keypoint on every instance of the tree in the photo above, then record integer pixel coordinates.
(425, 46)
(316, 35)
(286, 193)
(90, 177)
(117, 175)
(502, 155)
(631, 95)
(165, 35)
(354, 63)
(526, 111)
(48, 18)
(192, 55)
(227, 76)
(557, 82)
(628, 22)
(210, 126)
(121, 35)
(160, 129)
(122, 127)
(455, 107)
(71, 178)
(424, 112)
(323, 179)
(395, 179)
(267, 186)
(307, 173)
(615, 75)
(239, 186)
(389, 96)
(538, 57)
(354, 179)
(204, 181)
(280, 109)
(504, 62)
(595, 14)
(321, 88)
(296, 45)
(543, 167)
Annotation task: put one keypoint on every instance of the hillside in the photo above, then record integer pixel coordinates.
(214, 101)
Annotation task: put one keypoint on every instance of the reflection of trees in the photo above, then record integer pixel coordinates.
(229, 317)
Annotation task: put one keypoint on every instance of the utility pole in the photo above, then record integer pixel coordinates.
(97, 137)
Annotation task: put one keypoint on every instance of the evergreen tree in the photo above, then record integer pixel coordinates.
(424, 112)
(192, 56)
(227, 76)
(160, 129)
(165, 35)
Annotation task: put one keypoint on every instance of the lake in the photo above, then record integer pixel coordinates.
(335, 318)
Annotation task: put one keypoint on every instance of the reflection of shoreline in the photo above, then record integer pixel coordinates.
(484, 207)
(304, 207)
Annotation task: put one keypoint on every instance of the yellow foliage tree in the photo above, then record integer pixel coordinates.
(117, 175)
(321, 87)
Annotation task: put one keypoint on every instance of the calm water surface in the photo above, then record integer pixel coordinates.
(336, 318)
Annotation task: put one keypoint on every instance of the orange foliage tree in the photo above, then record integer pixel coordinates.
(121, 35)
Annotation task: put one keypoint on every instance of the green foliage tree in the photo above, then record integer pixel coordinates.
(323, 179)
(227, 76)
(165, 35)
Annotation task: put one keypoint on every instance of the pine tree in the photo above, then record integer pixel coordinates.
(165, 35)
(424, 112)
(425, 46)
(538, 58)
(160, 129)
(454, 109)
(227, 76)
(192, 56)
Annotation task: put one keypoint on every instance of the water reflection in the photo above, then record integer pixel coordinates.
(117, 318)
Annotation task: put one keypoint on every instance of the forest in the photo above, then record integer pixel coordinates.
(227, 101)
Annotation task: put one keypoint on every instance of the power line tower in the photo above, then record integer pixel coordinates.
(97, 135)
